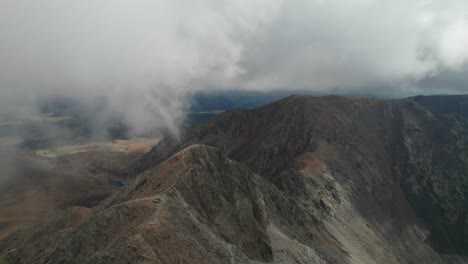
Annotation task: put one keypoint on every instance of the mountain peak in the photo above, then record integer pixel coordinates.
(376, 149)
(302, 180)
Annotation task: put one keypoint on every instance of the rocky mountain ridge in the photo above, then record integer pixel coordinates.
(302, 180)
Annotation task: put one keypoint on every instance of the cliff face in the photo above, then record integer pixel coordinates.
(302, 180)
(444, 104)
(401, 168)
(432, 167)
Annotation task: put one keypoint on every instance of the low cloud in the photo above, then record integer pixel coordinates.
(144, 58)
(359, 45)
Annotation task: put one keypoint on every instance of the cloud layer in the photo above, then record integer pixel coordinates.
(360, 44)
(145, 57)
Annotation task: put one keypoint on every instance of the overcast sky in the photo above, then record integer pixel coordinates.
(145, 57)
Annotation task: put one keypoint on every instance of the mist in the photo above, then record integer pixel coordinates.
(144, 59)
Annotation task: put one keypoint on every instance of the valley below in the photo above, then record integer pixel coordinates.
(301, 180)
(37, 184)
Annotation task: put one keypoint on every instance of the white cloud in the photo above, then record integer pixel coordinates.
(358, 43)
(146, 56)
(454, 44)
(134, 53)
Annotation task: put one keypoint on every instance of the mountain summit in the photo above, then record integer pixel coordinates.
(302, 180)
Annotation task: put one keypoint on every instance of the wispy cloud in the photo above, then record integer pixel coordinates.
(146, 57)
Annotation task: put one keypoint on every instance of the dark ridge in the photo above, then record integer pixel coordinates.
(396, 135)
(444, 104)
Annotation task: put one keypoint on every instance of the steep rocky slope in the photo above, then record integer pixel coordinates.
(196, 207)
(302, 180)
(444, 104)
(396, 172)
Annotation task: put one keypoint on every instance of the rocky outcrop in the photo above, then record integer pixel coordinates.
(390, 165)
(196, 207)
(302, 180)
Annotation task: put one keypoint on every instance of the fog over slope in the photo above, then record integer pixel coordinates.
(143, 58)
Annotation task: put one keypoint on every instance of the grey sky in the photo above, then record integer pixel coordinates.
(145, 57)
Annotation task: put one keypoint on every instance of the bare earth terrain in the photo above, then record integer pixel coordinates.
(46, 181)
(302, 180)
(133, 145)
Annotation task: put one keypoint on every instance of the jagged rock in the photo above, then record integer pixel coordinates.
(394, 162)
(210, 209)
(302, 180)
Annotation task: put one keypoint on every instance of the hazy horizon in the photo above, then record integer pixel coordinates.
(143, 60)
